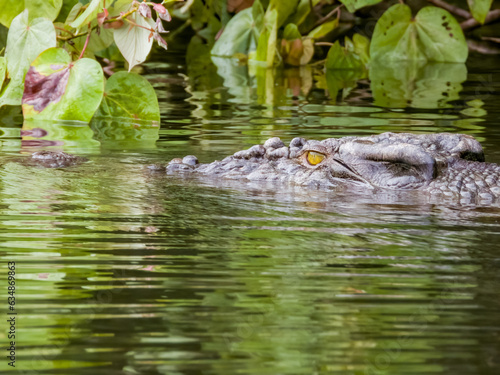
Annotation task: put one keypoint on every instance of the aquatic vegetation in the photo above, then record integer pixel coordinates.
(50, 65)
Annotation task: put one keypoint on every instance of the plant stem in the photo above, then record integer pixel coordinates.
(86, 42)
(323, 44)
(451, 8)
(62, 29)
(325, 18)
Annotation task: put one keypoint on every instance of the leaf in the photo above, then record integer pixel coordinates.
(66, 7)
(235, 6)
(58, 89)
(349, 57)
(3, 71)
(266, 47)
(283, 8)
(416, 84)
(479, 9)
(135, 42)
(128, 95)
(10, 9)
(324, 29)
(291, 32)
(25, 41)
(303, 10)
(93, 9)
(353, 5)
(44, 8)
(240, 34)
(433, 35)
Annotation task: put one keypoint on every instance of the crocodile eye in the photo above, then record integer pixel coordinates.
(314, 157)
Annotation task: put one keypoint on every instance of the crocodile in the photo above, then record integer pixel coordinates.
(444, 164)
(54, 159)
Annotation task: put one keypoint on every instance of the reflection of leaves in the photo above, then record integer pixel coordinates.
(58, 132)
(58, 89)
(337, 80)
(434, 35)
(354, 54)
(201, 71)
(120, 134)
(400, 85)
(235, 76)
(128, 95)
(479, 9)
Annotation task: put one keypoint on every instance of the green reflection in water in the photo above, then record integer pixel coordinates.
(411, 84)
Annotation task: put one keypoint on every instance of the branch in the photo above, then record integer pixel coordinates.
(451, 8)
(325, 18)
(472, 23)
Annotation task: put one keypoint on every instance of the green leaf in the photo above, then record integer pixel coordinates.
(353, 56)
(240, 34)
(44, 8)
(416, 84)
(303, 10)
(283, 8)
(479, 9)
(353, 5)
(3, 71)
(25, 41)
(324, 29)
(266, 47)
(128, 95)
(67, 6)
(291, 32)
(433, 35)
(37, 8)
(10, 9)
(93, 9)
(58, 89)
(134, 42)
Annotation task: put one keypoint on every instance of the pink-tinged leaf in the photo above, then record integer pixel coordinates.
(160, 9)
(159, 26)
(165, 16)
(114, 25)
(160, 40)
(41, 90)
(145, 10)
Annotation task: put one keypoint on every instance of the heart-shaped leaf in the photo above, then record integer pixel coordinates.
(37, 8)
(135, 42)
(128, 95)
(58, 89)
(434, 35)
(25, 41)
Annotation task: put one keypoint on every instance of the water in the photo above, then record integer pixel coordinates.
(123, 272)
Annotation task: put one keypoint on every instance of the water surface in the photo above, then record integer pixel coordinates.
(123, 272)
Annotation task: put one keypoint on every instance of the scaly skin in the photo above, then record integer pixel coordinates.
(438, 164)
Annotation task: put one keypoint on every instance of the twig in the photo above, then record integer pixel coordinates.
(323, 44)
(471, 23)
(482, 48)
(62, 29)
(327, 17)
(86, 42)
(451, 8)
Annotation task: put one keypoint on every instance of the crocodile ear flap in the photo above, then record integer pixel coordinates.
(401, 166)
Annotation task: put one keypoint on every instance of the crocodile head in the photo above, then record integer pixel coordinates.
(389, 160)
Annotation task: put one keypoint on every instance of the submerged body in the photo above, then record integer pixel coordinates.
(439, 164)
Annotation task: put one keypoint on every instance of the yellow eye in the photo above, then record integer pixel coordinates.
(314, 157)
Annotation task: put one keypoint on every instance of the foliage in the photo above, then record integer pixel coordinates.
(293, 32)
(50, 64)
